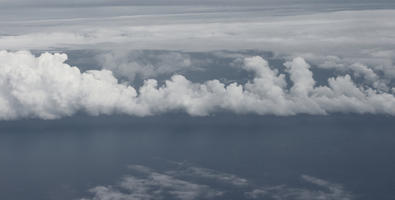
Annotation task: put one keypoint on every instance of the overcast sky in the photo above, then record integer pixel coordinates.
(180, 2)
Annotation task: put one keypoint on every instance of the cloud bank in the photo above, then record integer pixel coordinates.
(364, 36)
(346, 39)
(48, 88)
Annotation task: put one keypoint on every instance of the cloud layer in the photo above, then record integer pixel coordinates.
(349, 38)
(48, 88)
(340, 38)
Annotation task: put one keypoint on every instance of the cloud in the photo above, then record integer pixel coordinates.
(58, 3)
(327, 191)
(359, 70)
(153, 185)
(363, 36)
(45, 87)
(337, 40)
(301, 77)
(144, 64)
(187, 183)
(186, 170)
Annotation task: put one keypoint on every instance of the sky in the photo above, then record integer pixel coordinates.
(354, 42)
(178, 2)
(90, 79)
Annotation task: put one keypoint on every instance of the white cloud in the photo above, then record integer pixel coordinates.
(131, 64)
(301, 76)
(45, 87)
(359, 70)
(327, 39)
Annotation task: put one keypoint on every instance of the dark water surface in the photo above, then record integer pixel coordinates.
(63, 159)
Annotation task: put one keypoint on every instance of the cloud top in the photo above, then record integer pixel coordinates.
(48, 88)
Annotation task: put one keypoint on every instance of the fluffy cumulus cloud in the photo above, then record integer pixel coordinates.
(188, 182)
(46, 87)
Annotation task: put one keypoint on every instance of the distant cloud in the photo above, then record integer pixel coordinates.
(204, 173)
(327, 191)
(59, 3)
(146, 183)
(144, 64)
(45, 87)
(153, 185)
(357, 36)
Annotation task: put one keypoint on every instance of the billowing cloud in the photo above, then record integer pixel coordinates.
(46, 87)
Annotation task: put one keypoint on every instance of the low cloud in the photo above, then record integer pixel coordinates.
(147, 183)
(153, 185)
(48, 88)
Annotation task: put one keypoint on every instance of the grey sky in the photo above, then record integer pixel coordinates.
(182, 2)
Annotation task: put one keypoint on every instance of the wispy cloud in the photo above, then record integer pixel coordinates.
(153, 185)
(186, 184)
(327, 191)
(189, 171)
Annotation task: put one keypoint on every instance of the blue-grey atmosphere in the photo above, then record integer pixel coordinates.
(197, 100)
